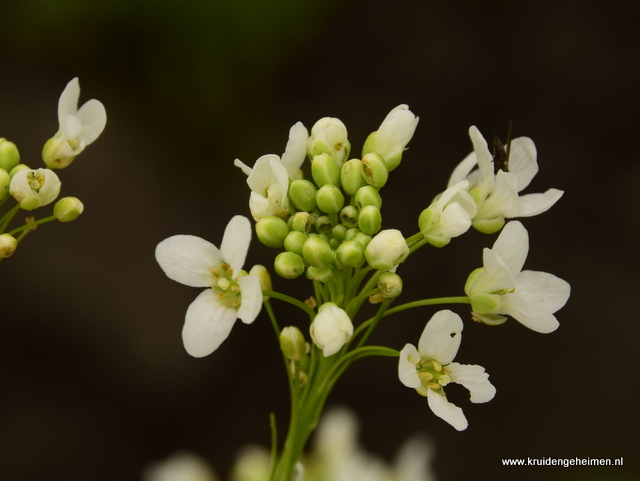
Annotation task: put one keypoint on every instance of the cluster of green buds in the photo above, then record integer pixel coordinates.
(35, 188)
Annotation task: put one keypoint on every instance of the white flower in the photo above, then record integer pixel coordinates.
(331, 328)
(429, 368)
(181, 466)
(391, 139)
(195, 262)
(77, 127)
(34, 188)
(386, 250)
(497, 193)
(269, 177)
(501, 288)
(449, 216)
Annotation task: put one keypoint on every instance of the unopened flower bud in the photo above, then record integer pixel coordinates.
(292, 343)
(303, 195)
(331, 328)
(349, 216)
(389, 285)
(386, 250)
(288, 265)
(339, 231)
(368, 195)
(9, 155)
(5, 180)
(351, 176)
(34, 188)
(325, 170)
(317, 252)
(18, 168)
(294, 242)
(329, 199)
(351, 233)
(8, 245)
(350, 253)
(329, 136)
(362, 239)
(319, 274)
(68, 209)
(272, 231)
(323, 225)
(263, 275)
(301, 222)
(374, 170)
(370, 219)
(391, 139)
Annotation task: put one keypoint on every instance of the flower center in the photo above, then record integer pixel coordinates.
(227, 288)
(432, 375)
(36, 181)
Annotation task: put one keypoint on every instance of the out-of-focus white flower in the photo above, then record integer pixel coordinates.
(331, 328)
(181, 466)
(195, 262)
(391, 139)
(495, 189)
(429, 368)
(386, 250)
(77, 127)
(34, 188)
(501, 288)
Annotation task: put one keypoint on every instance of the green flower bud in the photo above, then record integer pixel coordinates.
(351, 233)
(9, 155)
(339, 231)
(319, 274)
(370, 220)
(262, 273)
(292, 343)
(329, 136)
(386, 250)
(303, 195)
(301, 222)
(272, 231)
(389, 285)
(5, 180)
(368, 195)
(374, 170)
(55, 153)
(294, 242)
(288, 265)
(351, 176)
(8, 245)
(334, 243)
(349, 216)
(350, 253)
(325, 170)
(362, 238)
(329, 199)
(323, 225)
(68, 209)
(17, 169)
(317, 252)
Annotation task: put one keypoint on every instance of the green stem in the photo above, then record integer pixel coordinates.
(6, 218)
(290, 300)
(31, 225)
(429, 302)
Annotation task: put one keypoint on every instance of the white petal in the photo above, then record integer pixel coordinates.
(188, 259)
(447, 411)
(530, 315)
(494, 277)
(267, 171)
(246, 170)
(68, 102)
(534, 204)
(503, 201)
(522, 161)
(208, 322)
(235, 243)
(251, 299)
(463, 169)
(296, 150)
(512, 246)
(414, 460)
(406, 369)
(454, 221)
(485, 159)
(543, 289)
(475, 379)
(93, 117)
(441, 337)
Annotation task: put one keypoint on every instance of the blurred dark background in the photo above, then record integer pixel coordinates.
(94, 380)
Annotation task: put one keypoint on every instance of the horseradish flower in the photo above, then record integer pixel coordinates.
(77, 127)
(269, 177)
(391, 139)
(495, 187)
(195, 262)
(501, 288)
(429, 368)
(34, 188)
(386, 250)
(331, 328)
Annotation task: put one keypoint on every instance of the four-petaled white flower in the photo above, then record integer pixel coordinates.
(331, 328)
(34, 188)
(270, 175)
(391, 139)
(429, 368)
(501, 288)
(496, 193)
(77, 127)
(195, 262)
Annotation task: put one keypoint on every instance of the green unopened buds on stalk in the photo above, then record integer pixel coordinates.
(292, 343)
(68, 209)
(263, 275)
(317, 252)
(9, 156)
(325, 170)
(331, 328)
(386, 250)
(351, 176)
(5, 180)
(272, 231)
(374, 170)
(8, 245)
(289, 265)
(329, 199)
(303, 195)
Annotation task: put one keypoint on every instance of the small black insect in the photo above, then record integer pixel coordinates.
(500, 153)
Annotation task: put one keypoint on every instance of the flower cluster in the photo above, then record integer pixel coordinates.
(320, 208)
(35, 188)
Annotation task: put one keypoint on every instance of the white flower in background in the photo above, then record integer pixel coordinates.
(329, 136)
(429, 368)
(497, 193)
(449, 216)
(34, 188)
(181, 466)
(501, 288)
(269, 177)
(77, 127)
(331, 328)
(386, 250)
(391, 139)
(195, 262)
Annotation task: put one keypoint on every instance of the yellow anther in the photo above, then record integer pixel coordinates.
(436, 365)
(215, 272)
(235, 288)
(444, 380)
(425, 376)
(433, 385)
